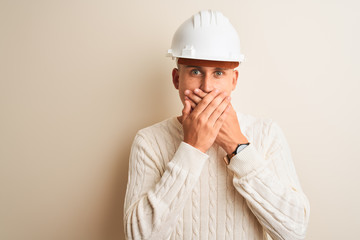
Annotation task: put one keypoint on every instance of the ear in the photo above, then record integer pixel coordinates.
(235, 79)
(175, 77)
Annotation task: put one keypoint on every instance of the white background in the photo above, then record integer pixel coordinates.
(79, 78)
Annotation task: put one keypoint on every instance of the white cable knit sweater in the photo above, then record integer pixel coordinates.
(175, 191)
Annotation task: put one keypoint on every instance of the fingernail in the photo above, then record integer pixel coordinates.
(229, 98)
(187, 92)
(196, 90)
(216, 90)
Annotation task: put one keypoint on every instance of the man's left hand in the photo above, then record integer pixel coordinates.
(230, 134)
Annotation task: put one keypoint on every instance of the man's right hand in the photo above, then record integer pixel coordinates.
(202, 124)
(230, 134)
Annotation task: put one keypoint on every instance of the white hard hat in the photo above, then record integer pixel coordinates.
(208, 35)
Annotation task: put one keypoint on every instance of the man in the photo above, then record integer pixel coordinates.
(211, 173)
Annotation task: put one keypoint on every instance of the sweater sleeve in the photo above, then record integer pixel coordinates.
(271, 187)
(154, 198)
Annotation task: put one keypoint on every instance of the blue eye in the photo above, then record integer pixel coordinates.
(195, 71)
(218, 73)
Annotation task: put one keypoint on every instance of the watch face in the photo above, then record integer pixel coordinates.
(241, 147)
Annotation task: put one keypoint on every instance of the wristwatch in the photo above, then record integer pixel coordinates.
(238, 149)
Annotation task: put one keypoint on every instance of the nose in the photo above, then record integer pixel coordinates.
(207, 83)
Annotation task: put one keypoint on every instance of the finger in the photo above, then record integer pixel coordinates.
(220, 121)
(200, 93)
(192, 103)
(186, 110)
(191, 95)
(205, 102)
(219, 110)
(213, 105)
(232, 108)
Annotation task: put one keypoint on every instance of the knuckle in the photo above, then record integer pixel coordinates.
(222, 117)
(215, 103)
(191, 117)
(223, 95)
(211, 104)
(218, 111)
(213, 94)
(202, 120)
(206, 101)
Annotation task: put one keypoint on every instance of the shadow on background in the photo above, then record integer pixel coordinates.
(152, 104)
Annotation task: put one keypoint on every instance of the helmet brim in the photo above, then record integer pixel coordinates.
(207, 63)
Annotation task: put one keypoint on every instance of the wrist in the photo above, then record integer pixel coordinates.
(231, 146)
(197, 146)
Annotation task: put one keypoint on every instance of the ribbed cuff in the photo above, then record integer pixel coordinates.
(190, 159)
(246, 161)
